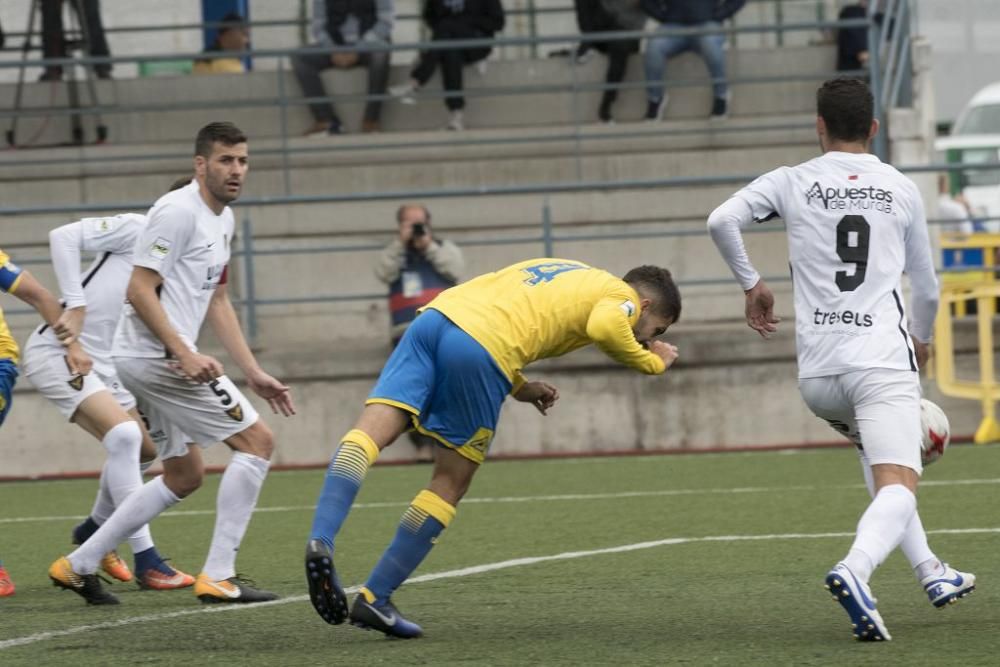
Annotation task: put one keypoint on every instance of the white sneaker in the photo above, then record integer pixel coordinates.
(948, 588)
(856, 599)
(456, 123)
(405, 92)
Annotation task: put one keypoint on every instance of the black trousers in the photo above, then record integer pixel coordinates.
(53, 35)
(451, 61)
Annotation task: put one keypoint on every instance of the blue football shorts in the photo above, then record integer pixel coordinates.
(8, 377)
(448, 382)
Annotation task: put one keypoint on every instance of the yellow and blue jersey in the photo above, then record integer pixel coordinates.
(10, 276)
(546, 307)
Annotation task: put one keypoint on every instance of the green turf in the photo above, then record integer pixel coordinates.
(701, 602)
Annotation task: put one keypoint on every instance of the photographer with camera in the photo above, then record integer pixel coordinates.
(416, 267)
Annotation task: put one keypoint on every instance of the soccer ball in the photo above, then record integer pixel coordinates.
(935, 432)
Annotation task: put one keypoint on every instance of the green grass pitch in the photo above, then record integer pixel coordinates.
(659, 560)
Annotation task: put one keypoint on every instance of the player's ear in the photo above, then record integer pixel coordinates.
(644, 303)
(874, 129)
(199, 165)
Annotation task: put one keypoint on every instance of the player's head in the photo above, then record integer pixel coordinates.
(845, 113)
(659, 301)
(221, 160)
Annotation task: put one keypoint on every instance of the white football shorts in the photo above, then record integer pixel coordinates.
(178, 411)
(878, 409)
(45, 366)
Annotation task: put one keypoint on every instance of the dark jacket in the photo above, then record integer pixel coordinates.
(484, 16)
(371, 14)
(691, 12)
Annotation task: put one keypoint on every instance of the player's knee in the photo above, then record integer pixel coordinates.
(260, 440)
(183, 484)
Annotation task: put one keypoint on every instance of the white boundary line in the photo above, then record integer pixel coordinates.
(533, 499)
(461, 572)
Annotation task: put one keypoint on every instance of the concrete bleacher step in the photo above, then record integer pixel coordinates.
(549, 92)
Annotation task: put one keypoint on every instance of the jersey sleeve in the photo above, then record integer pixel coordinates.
(919, 267)
(611, 330)
(116, 234)
(65, 244)
(757, 202)
(165, 238)
(10, 274)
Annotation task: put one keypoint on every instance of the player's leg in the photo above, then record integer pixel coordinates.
(238, 492)
(429, 513)
(942, 583)
(829, 399)
(462, 417)
(8, 375)
(404, 387)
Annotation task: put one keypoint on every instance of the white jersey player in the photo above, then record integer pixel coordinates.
(97, 401)
(178, 282)
(854, 225)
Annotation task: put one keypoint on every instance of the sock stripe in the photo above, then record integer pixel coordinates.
(413, 518)
(434, 505)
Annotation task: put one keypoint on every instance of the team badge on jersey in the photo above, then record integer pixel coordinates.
(236, 412)
(160, 248)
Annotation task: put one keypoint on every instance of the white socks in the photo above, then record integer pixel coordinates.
(237, 498)
(122, 474)
(138, 509)
(104, 506)
(914, 544)
(881, 529)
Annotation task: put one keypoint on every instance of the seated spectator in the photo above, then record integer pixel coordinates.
(453, 19)
(677, 15)
(852, 43)
(608, 16)
(416, 267)
(233, 36)
(346, 23)
(54, 37)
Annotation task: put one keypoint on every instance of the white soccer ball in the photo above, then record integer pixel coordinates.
(935, 432)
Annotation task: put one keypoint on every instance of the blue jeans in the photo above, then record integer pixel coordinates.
(659, 49)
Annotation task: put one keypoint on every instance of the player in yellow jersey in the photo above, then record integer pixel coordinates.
(23, 285)
(449, 376)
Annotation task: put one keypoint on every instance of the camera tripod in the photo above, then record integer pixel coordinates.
(80, 43)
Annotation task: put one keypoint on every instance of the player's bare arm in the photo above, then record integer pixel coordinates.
(33, 293)
(141, 294)
(540, 394)
(221, 316)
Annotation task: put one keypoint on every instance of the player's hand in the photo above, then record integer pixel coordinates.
(78, 361)
(540, 394)
(923, 351)
(274, 392)
(664, 351)
(69, 325)
(760, 310)
(196, 367)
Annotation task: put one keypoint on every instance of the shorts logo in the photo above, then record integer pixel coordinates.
(480, 440)
(76, 383)
(3, 404)
(160, 248)
(236, 412)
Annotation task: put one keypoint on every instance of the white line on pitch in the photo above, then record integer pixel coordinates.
(452, 574)
(532, 499)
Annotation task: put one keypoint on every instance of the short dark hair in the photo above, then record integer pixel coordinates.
(231, 21)
(224, 133)
(847, 107)
(657, 283)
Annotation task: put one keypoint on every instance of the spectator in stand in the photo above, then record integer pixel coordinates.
(54, 38)
(609, 16)
(852, 43)
(233, 36)
(416, 267)
(453, 19)
(346, 23)
(953, 211)
(678, 15)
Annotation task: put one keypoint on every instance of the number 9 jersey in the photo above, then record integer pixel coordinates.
(854, 225)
